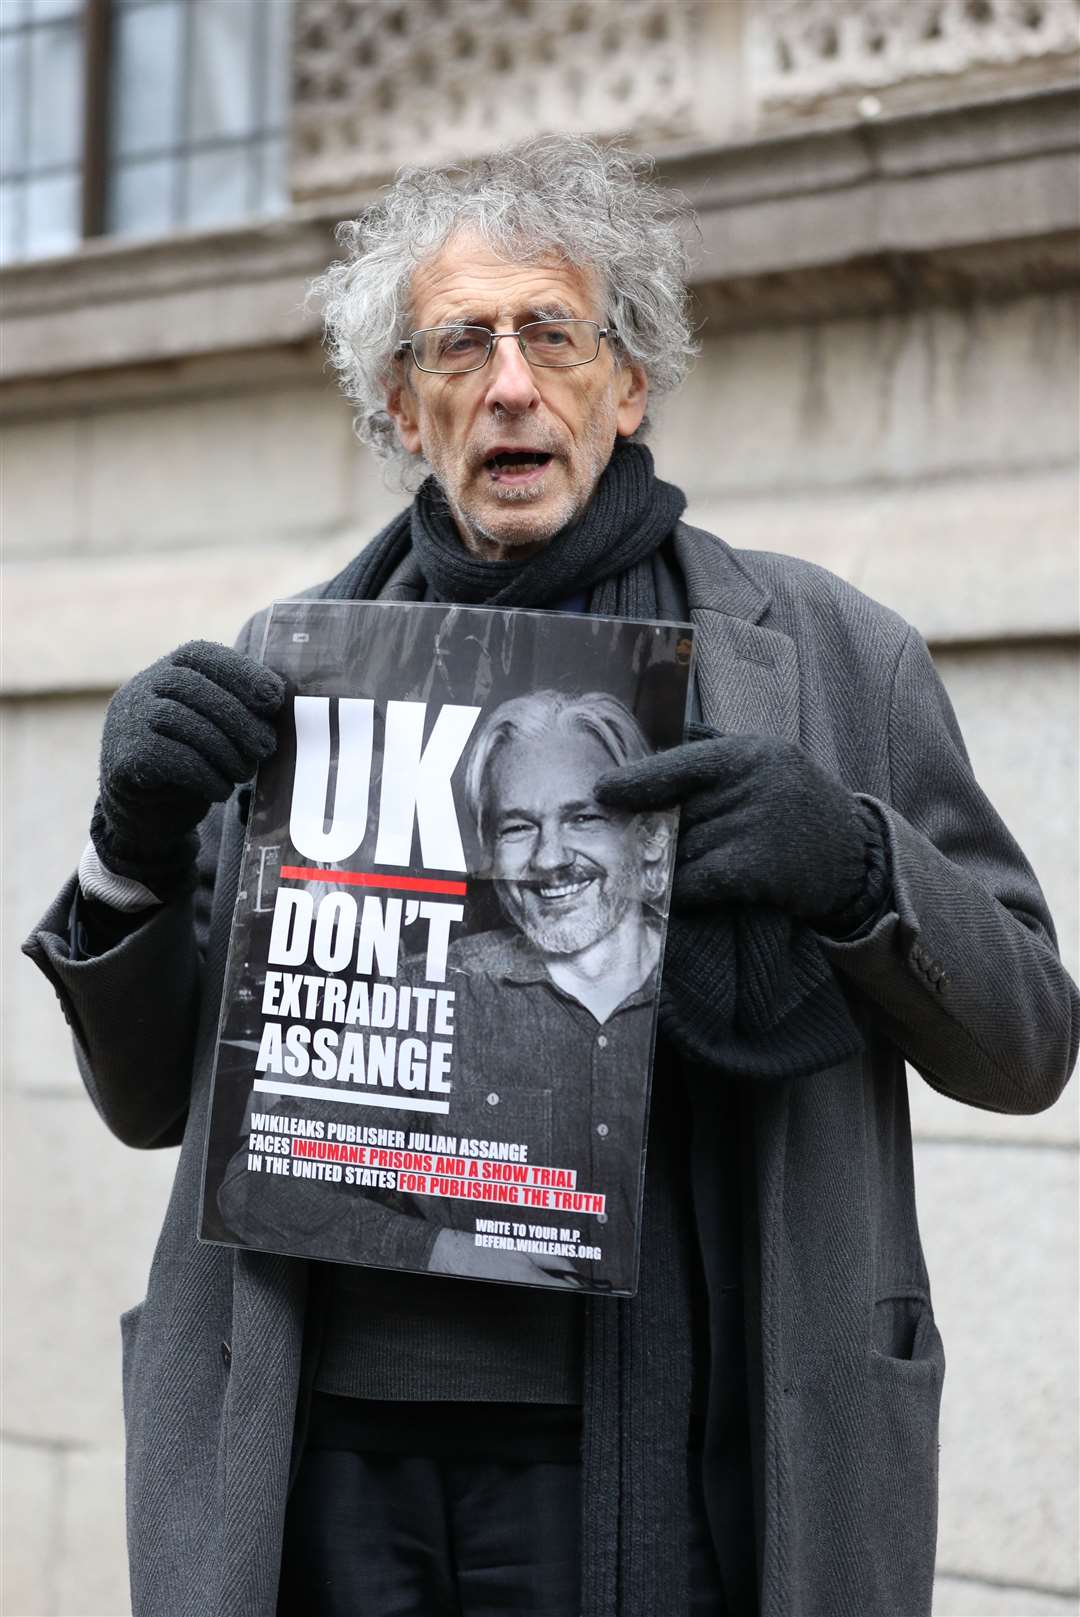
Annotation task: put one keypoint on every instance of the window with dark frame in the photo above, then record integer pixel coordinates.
(42, 44)
(138, 118)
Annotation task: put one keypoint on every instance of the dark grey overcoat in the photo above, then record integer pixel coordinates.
(962, 977)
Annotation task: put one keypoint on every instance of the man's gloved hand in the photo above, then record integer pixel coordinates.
(761, 824)
(178, 737)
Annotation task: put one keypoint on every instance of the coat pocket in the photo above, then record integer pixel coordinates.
(906, 1370)
(129, 1337)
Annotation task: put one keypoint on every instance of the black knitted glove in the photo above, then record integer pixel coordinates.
(178, 737)
(761, 824)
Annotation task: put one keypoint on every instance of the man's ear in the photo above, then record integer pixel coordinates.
(654, 840)
(633, 394)
(654, 831)
(401, 407)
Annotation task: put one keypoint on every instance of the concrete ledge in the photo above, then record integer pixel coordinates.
(869, 201)
(165, 299)
(943, 554)
(983, 559)
(77, 625)
(971, 1597)
(940, 205)
(889, 280)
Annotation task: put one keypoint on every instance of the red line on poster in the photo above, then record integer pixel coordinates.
(371, 878)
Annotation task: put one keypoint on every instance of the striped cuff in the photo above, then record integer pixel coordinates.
(119, 892)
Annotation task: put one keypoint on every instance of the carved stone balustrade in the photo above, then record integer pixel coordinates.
(378, 83)
(381, 82)
(810, 55)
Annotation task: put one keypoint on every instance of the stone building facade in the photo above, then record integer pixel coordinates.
(886, 277)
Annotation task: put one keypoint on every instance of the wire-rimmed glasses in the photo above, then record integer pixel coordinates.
(450, 350)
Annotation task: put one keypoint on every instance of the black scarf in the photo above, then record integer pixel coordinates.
(606, 552)
(746, 995)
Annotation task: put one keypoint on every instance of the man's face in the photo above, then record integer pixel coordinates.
(568, 869)
(459, 422)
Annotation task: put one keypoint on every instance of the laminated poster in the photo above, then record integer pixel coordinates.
(440, 1000)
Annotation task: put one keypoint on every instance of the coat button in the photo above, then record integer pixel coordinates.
(602, 1041)
(602, 1130)
(493, 1099)
(601, 1218)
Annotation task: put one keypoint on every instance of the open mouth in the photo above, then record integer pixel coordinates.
(516, 466)
(558, 892)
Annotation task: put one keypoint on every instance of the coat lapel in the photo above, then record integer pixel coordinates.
(748, 676)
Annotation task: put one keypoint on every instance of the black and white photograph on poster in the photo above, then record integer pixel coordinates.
(440, 1005)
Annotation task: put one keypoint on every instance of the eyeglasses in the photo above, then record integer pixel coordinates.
(553, 343)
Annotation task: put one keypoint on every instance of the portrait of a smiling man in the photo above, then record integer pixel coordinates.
(573, 876)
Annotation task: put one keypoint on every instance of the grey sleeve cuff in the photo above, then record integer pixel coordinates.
(119, 892)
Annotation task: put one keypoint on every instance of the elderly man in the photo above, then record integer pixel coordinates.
(756, 1429)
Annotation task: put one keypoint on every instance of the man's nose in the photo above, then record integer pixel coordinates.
(550, 852)
(510, 382)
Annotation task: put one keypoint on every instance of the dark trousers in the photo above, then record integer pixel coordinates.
(391, 1535)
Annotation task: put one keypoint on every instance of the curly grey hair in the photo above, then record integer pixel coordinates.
(595, 206)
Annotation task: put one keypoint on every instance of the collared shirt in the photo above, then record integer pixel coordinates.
(584, 1102)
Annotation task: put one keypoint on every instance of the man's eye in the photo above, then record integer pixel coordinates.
(589, 817)
(514, 828)
(463, 342)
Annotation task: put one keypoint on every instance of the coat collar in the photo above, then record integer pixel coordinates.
(715, 577)
(747, 675)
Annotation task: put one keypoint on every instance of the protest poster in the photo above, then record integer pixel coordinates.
(440, 1001)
